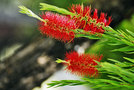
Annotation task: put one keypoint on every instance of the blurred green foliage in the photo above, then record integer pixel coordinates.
(127, 24)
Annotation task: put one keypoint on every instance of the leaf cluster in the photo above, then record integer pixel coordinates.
(122, 38)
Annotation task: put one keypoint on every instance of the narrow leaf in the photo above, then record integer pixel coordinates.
(116, 78)
(130, 32)
(48, 7)
(127, 42)
(87, 36)
(129, 59)
(127, 48)
(28, 12)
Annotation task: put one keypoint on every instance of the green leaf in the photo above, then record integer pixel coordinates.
(115, 83)
(60, 61)
(88, 36)
(28, 12)
(116, 78)
(114, 43)
(128, 79)
(124, 49)
(110, 38)
(66, 82)
(129, 59)
(99, 81)
(115, 61)
(127, 42)
(130, 32)
(110, 30)
(116, 70)
(129, 52)
(48, 7)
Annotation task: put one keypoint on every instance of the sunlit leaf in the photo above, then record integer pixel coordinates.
(49, 7)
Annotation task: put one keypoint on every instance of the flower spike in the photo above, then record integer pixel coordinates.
(89, 22)
(58, 26)
(82, 64)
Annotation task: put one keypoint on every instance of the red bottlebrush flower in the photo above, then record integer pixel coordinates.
(89, 22)
(95, 15)
(79, 9)
(82, 64)
(57, 26)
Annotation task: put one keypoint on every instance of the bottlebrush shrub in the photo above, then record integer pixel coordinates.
(80, 21)
(57, 26)
(82, 64)
(87, 21)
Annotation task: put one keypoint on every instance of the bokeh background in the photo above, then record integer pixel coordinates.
(27, 58)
